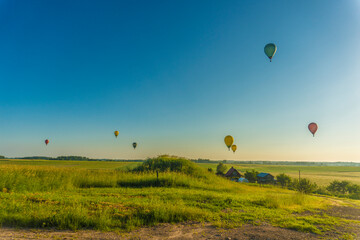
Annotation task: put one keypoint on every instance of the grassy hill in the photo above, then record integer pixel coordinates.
(120, 199)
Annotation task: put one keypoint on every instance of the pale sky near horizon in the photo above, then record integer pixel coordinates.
(178, 76)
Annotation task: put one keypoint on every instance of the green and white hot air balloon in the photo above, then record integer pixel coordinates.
(270, 50)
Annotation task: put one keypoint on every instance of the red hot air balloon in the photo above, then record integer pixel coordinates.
(47, 141)
(313, 127)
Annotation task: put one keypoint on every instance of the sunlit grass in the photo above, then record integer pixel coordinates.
(110, 199)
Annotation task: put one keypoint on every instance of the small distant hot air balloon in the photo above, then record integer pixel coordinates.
(270, 50)
(134, 145)
(233, 147)
(47, 141)
(116, 133)
(313, 127)
(229, 140)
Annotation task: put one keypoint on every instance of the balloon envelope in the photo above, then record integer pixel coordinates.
(47, 141)
(313, 127)
(270, 50)
(116, 133)
(229, 140)
(233, 147)
(134, 145)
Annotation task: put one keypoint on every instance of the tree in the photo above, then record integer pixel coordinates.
(304, 186)
(251, 175)
(338, 187)
(2, 157)
(354, 188)
(210, 170)
(221, 168)
(283, 179)
(343, 187)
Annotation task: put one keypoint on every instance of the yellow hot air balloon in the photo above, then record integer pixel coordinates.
(116, 133)
(229, 140)
(233, 147)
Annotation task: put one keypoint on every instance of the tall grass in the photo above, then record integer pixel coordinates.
(68, 198)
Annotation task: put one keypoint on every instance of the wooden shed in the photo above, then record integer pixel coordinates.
(233, 173)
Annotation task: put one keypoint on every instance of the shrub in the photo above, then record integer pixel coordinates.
(338, 187)
(353, 188)
(344, 188)
(221, 168)
(251, 175)
(283, 179)
(304, 186)
(355, 196)
(322, 191)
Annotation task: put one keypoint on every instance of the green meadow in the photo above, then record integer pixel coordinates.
(108, 196)
(69, 164)
(321, 175)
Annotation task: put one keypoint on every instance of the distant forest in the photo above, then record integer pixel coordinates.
(72, 158)
(299, 163)
(351, 164)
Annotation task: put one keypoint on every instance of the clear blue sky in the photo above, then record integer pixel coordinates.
(177, 76)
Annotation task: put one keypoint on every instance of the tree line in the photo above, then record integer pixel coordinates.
(73, 158)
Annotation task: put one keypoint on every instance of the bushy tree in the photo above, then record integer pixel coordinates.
(343, 187)
(354, 188)
(304, 186)
(166, 163)
(283, 179)
(221, 168)
(251, 176)
(338, 186)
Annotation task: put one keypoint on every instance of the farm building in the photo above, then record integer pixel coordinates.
(265, 178)
(233, 173)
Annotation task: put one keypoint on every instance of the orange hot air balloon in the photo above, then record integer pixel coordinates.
(47, 141)
(313, 127)
(116, 133)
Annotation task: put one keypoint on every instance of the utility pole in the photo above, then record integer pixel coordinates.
(299, 182)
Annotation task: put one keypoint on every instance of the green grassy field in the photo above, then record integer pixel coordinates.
(322, 175)
(102, 195)
(64, 163)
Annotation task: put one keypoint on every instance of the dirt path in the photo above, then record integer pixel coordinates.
(166, 231)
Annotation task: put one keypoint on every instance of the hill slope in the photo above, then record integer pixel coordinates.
(66, 198)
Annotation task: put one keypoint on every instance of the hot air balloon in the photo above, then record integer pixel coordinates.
(270, 50)
(134, 145)
(313, 127)
(229, 140)
(47, 141)
(116, 133)
(233, 147)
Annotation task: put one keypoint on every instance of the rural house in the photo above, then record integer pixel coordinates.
(233, 173)
(265, 178)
